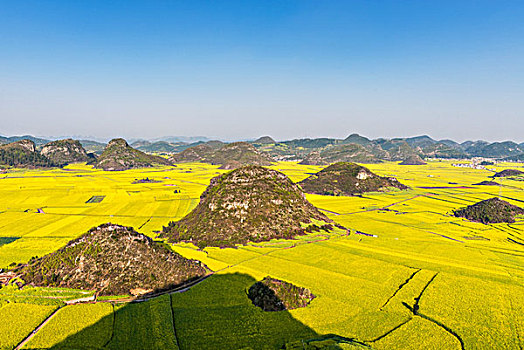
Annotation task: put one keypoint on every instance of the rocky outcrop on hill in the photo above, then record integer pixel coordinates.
(22, 145)
(65, 151)
(347, 179)
(118, 155)
(112, 260)
(251, 203)
(493, 210)
(341, 153)
(272, 294)
(23, 154)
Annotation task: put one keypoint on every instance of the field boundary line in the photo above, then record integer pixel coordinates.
(415, 310)
(400, 287)
(112, 327)
(173, 320)
(390, 331)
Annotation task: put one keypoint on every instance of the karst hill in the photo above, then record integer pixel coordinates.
(509, 173)
(347, 179)
(65, 152)
(413, 160)
(23, 154)
(489, 211)
(118, 155)
(251, 203)
(112, 260)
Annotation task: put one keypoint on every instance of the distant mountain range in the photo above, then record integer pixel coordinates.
(326, 150)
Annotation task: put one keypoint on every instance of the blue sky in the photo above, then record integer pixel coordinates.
(240, 69)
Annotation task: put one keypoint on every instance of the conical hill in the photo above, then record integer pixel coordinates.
(493, 210)
(251, 203)
(346, 179)
(112, 260)
(118, 155)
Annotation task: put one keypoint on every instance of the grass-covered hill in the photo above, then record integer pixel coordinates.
(37, 140)
(118, 155)
(516, 158)
(199, 153)
(499, 150)
(341, 153)
(395, 150)
(264, 140)
(443, 150)
(229, 156)
(358, 139)
(413, 160)
(509, 173)
(346, 179)
(241, 152)
(251, 203)
(23, 154)
(65, 151)
(493, 210)
(112, 260)
(487, 183)
(272, 294)
(164, 147)
(93, 146)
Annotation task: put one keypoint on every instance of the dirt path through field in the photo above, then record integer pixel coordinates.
(32, 334)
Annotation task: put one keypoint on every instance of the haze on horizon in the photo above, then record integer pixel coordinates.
(242, 69)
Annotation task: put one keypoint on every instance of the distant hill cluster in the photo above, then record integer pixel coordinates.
(410, 151)
(30, 151)
(117, 155)
(229, 156)
(24, 153)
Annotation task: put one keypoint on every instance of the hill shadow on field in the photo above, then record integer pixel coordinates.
(215, 314)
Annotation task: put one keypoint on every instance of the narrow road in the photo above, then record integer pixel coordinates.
(32, 334)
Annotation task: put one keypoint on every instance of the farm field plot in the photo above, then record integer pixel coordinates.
(147, 325)
(87, 326)
(19, 320)
(44, 210)
(409, 275)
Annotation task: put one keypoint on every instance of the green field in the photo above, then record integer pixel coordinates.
(428, 280)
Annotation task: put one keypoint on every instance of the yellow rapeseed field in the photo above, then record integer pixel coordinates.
(409, 274)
